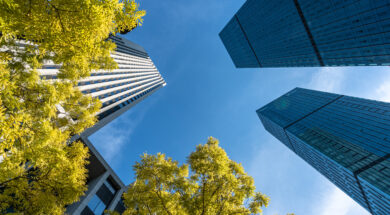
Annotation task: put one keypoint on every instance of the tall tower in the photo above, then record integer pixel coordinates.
(118, 90)
(298, 33)
(347, 139)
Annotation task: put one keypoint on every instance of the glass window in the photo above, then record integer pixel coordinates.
(110, 186)
(96, 205)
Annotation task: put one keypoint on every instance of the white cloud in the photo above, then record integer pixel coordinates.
(337, 202)
(329, 79)
(383, 91)
(111, 139)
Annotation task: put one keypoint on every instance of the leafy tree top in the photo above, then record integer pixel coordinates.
(72, 33)
(209, 183)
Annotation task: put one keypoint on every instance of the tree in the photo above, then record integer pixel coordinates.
(215, 184)
(40, 172)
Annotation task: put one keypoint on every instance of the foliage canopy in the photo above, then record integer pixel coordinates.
(210, 183)
(39, 172)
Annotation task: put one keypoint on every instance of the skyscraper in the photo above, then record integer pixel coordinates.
(118, 90)
(347, 139)
(298, 33)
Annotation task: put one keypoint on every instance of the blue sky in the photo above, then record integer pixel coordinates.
(207, 96)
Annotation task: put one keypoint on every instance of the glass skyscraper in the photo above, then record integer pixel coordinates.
(347, 139)
(298, 33)
(118, 90)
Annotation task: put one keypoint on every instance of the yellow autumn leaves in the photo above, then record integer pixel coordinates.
(39, 172)
(209, 183)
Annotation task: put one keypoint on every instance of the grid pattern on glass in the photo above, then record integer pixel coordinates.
(365, 123)
(277, 34)
(343, 156)
(340, 176)
(378, 200)
(353, 132)
(346, 139)
(289, 33)
(238, 46)
(123, 47)
(334, 146)
(350, 32)
(294, 105)
(276, 130)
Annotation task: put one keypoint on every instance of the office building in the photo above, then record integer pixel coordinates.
(346, 139)
(118, 90)
(306, 33)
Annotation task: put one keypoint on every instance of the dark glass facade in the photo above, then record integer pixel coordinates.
(347, 139)
(298, 33)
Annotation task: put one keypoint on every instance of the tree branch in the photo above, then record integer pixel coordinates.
(61, 9)
(9, 180)
(147, 206)
(222, 205)
(237, 212)
(214, 192)
(58, 15)
(163, 203)
(203, 193)
(159, 196)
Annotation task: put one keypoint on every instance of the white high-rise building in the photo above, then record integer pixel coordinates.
(118, 90)
(136, 78)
